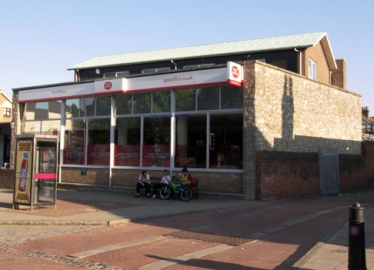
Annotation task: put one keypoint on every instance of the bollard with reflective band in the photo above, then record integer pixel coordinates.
(356, 240)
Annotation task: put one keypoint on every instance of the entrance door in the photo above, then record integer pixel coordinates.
(328, 171)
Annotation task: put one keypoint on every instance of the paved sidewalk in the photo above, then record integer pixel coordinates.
(101, 208)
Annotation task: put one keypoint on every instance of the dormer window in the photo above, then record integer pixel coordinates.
(312, 69)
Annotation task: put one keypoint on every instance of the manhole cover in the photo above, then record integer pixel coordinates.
(229, 240)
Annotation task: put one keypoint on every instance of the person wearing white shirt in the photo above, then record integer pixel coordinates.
(164, 182)
(143, 182)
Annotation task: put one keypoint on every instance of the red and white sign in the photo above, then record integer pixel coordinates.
(232, 74)
(108, 85)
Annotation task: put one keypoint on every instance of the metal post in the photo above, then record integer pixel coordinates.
(356, 242)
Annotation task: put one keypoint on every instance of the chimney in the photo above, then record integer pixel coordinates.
(339, 75)
(365, 111)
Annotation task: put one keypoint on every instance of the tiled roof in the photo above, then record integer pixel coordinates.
(218, 49)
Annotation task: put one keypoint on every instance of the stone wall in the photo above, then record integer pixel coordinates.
(6, 178)
(296, 114)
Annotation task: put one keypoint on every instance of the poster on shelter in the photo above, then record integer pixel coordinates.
(23, 169)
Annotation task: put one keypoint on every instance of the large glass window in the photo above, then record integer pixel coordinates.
(75, 134)
(51, 127)
(156, 142)
(207, 98)
(98, 147)
(28, 111)
(41, 110)
(127, 142)
(30, 127)
(186, 100)
(231, 97)
(72, 108)
(103, 105)
(226, 141)
(142, 103)
(191, 141)
(90, 106)
(54, 109)
(161, 102)
(124, 104)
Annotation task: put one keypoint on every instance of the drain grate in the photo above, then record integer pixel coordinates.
(229, 240)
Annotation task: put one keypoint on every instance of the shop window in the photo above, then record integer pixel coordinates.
(207, 98)
(41, 110)
(98, 147)
(231, 97)
(142, 103)
(28, 111)
(74, 151)
(127, 142)
(51, 127)
(54, 109)
(156, 142)
(103, 105)
(123, 104)
(186, 100)
(226, 141)
(161, 101)
(30, 127)
(191, 141)
(72, 108)
(90, 106)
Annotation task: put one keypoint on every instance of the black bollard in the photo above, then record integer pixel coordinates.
(356, 242)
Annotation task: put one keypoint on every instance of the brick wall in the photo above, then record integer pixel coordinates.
(317, 55)
(339, 75)
(94, 176)
(285, 174)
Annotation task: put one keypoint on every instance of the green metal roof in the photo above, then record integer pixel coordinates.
(218, 49)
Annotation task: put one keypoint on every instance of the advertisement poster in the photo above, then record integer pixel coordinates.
(22, 188)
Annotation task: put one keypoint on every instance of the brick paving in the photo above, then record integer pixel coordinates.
(199, 234)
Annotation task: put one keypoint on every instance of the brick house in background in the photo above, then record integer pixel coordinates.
(251, 119)
(5, 129)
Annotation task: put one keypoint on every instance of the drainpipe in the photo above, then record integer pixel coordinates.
(300, 67)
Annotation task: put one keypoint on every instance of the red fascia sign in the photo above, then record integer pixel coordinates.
(232, 75)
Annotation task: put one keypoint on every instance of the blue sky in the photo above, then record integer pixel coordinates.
(39, 39)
